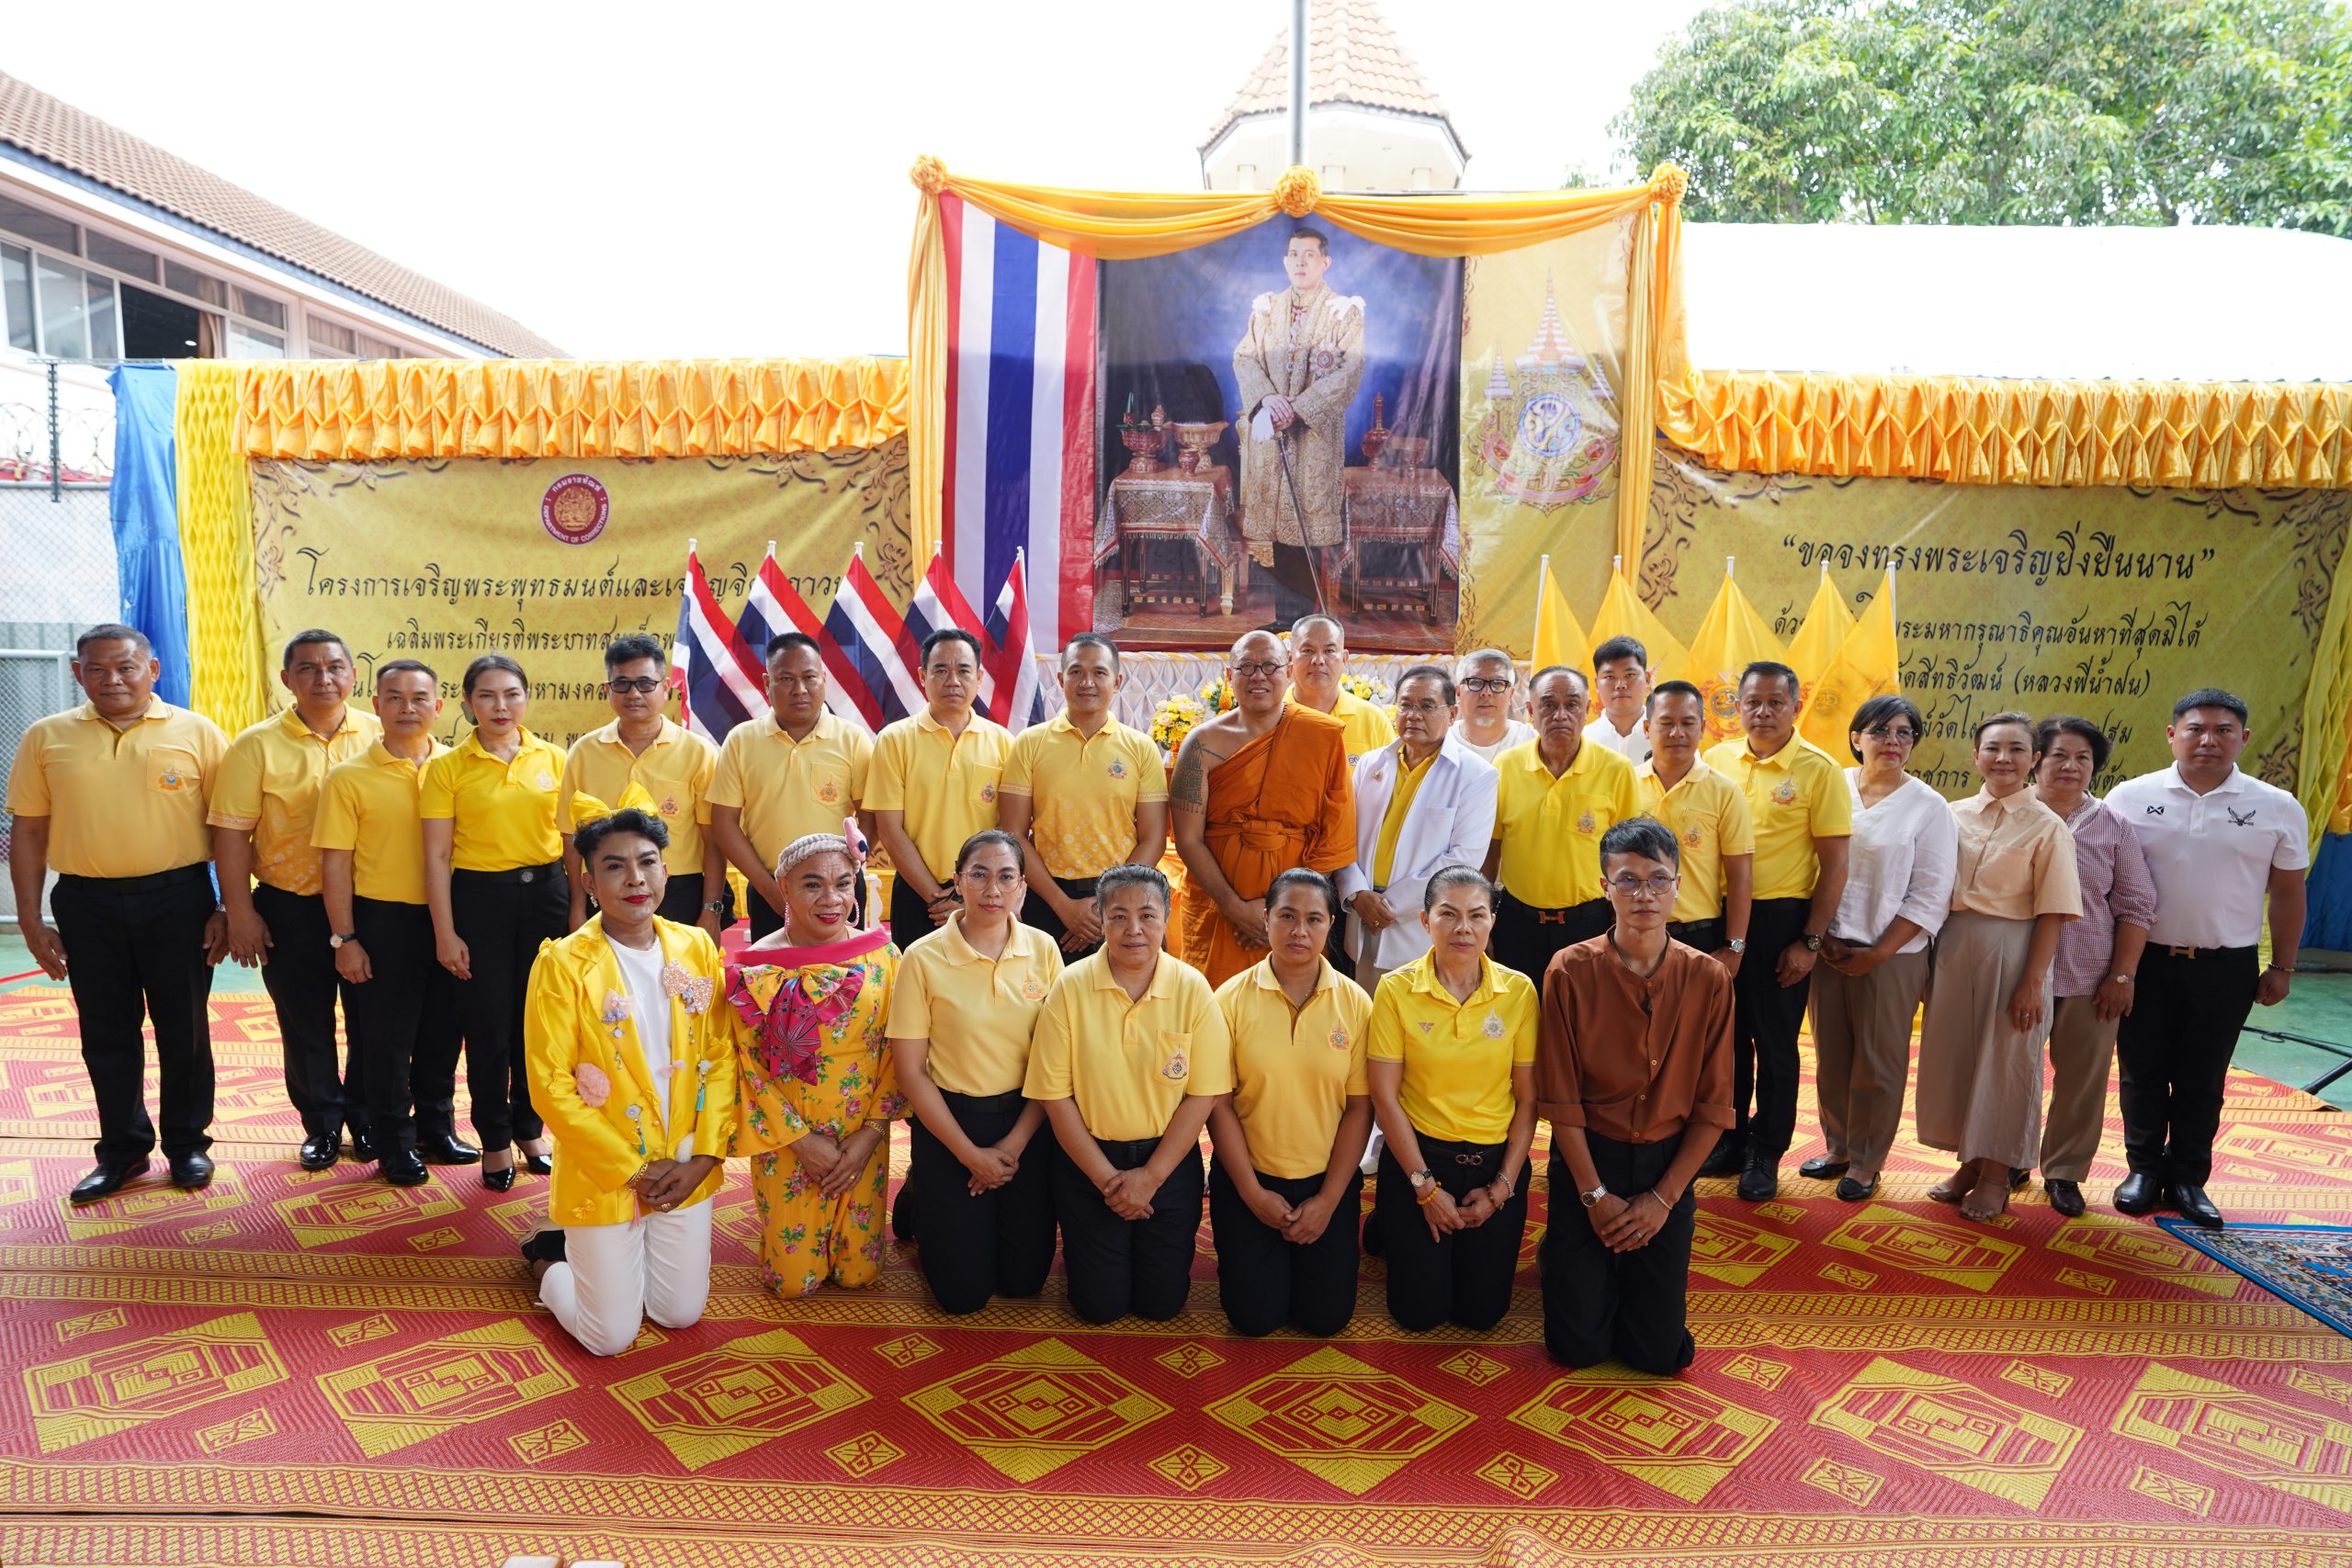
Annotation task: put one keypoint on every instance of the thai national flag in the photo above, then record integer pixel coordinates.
(1020, 430)
(707, 662)
(1021, 701)
(776, 607)
(866, 629)
(938, 605)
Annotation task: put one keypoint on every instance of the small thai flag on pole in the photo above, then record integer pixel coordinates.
(866, 629)
(939, 605)
(775, 607)
(1022, 701)
(707, 662)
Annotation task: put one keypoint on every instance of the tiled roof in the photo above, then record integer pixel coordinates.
(59, 133)
(1352, 58)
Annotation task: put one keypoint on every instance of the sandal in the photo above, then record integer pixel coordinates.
(1952, 1188)
(1982, 1209)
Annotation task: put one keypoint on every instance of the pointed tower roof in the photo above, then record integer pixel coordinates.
(1352, 58)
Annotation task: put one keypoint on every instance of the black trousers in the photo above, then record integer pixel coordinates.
(1598, 1304)
(405, 1020)
(1706, 935)
(1463, 1278)
(1116, 1266)
(1526, 936)
(303, 984)
(134, 951)
(998, 1242)
(1766, 1016)
(2173, 1050)
(502, 915)
(910, 916)
(1263, 1281)
(1035, 911)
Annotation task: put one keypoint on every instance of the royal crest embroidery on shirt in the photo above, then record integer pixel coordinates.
(1585, 823)
(1339, 1041)
(1694, 836)
(1033, 989)
(1493, 1027)
(829, 790)
(988, 792)
(170, 778)
(669, 805)
(1176, 1069)
(1118, 767)
(1786, 791)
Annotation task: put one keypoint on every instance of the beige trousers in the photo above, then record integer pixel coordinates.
(1980, 1079)
(2081, 1051)
(1861, 1043)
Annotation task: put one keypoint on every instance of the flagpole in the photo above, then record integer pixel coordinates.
(1543, 576)
(1728, 562)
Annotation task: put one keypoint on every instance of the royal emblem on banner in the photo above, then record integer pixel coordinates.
(1550, 433)
(575, 509)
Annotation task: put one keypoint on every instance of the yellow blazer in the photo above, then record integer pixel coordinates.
(573, 1017)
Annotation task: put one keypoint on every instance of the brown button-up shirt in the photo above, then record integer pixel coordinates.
(1630, 1058)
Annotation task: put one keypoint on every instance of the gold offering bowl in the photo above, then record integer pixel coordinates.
(1193, 441)
(1145, 443)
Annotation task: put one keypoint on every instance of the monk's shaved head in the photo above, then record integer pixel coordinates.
(1255, 648)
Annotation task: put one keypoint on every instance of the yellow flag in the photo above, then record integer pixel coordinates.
(1866, 665)
(1826, 622)
(1623, 614)
(1732, 636)
(1559, 639)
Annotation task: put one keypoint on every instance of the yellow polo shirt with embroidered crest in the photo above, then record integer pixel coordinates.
(504, 812)
(1085, 790)
(1550, 828)
(1294, 1068)
(945, 783)
(1795, 795)
(1707, 815)
(127, 802)
(369, 806)
(675, 771)
(978, 1013)
(1367, 726)
(1458, 1056)
(1129, 1063)
(787, 789)
(269, 784)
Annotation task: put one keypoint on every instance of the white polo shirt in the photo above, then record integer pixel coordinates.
(1633, 746)
(2212, 854)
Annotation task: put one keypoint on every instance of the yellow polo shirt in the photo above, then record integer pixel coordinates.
(269, 784)
(978, 1013)
(1294, 1068)
(126, 802)
(1085, 790)
(1130, 1064)
(1457, 1055)
(1550, 828)
(1795, 795)
(787, 789)
(945, 783)
(1392, 823)
(675, 771)
(1366, 724)
(1709, 815)
(369, 807)
(504, 812)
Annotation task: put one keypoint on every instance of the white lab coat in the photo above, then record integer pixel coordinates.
(1451, 822)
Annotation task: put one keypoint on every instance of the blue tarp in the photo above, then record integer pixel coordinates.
(145, 510)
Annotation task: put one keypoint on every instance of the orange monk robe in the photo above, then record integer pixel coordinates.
(1284, 799)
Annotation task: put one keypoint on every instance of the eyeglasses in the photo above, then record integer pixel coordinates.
(1271, 668)
(1487, 684)
(641, 683)
(1900, 736)
(1658, 886)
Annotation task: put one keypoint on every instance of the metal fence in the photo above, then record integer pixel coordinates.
(34, 684)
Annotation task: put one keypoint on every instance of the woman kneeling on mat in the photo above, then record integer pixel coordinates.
(1129, 1055)
(1451, 1070)
(632, 1063)
(817, 1088)
(1284, 1193)
(961, 1016)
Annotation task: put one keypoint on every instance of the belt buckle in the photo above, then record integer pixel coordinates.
(1469, 1160)
(528, 875)
(1551, 917)
(2188, 952)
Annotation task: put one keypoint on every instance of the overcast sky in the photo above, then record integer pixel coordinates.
(692, 179)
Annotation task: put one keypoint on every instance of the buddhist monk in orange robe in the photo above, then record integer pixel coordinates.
(1256, 790)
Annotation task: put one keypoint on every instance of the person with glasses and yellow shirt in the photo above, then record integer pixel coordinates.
(671, 764)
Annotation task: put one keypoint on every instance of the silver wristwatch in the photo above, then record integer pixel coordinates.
(1593, 1197)
(1737, 944)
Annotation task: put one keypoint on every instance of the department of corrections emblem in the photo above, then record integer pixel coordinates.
(669, 805)
(1176, 1069)
(169, 779)
(1493, 1027)
(575, 509)
(1786, 793)
(1694, 836)
(1550, 434)
(1033, 989)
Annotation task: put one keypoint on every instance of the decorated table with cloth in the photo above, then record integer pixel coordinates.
(1411, 511)
(1172, 506)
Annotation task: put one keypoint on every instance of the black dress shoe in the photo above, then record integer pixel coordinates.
(902, 1212)
(442, 1148)
(2019, 1176)
(363, 1146)
(108, 1180)
(538, 1165)
(1729, 1158)
(191, 1171)
(1852, 1191)
(544, 1246)
(1759, 1181)
(403, 1168)
(2194, 1206)
(2138, 1194)
(2066, 1196)
(321, 1150)
(498, 1181)
(1821, 1168)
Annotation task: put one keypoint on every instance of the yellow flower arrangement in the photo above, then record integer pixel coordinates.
(1173, 720)
(1218, 695)
(1363, 686)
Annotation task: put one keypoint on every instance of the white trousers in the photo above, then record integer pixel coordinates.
(614, 1277)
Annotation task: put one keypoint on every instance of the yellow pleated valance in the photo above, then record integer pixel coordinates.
(338, 409)
(2171, 434)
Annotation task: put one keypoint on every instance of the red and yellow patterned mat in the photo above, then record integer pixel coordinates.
(186, 1373)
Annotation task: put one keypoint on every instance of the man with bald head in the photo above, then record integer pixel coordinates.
(1256, 790)
(1319, 656)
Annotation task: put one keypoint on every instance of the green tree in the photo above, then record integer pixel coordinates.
(2006, 111)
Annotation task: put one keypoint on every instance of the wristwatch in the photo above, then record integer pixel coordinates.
(716, 906)
(1737, 944)
(1421, 1178)
(336, 939)
(2121, 980)
(1593, 1197)
(1812, 941)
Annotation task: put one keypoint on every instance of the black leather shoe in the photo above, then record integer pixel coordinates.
(321, 1150)
(1821, 1168)
(108, 1180)
(2194, 1206)
(191, 1171)
(1852, 1191)
(363, 1146)
(903, 1212)
(1729, 1158)
(499, 1180)
(1759, 1181)
(544, 1246)
(403, 1168)
(2019, 1176)
(443, 1148)
(2066, 1196)
(2138, 1194)
(538, 1165)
